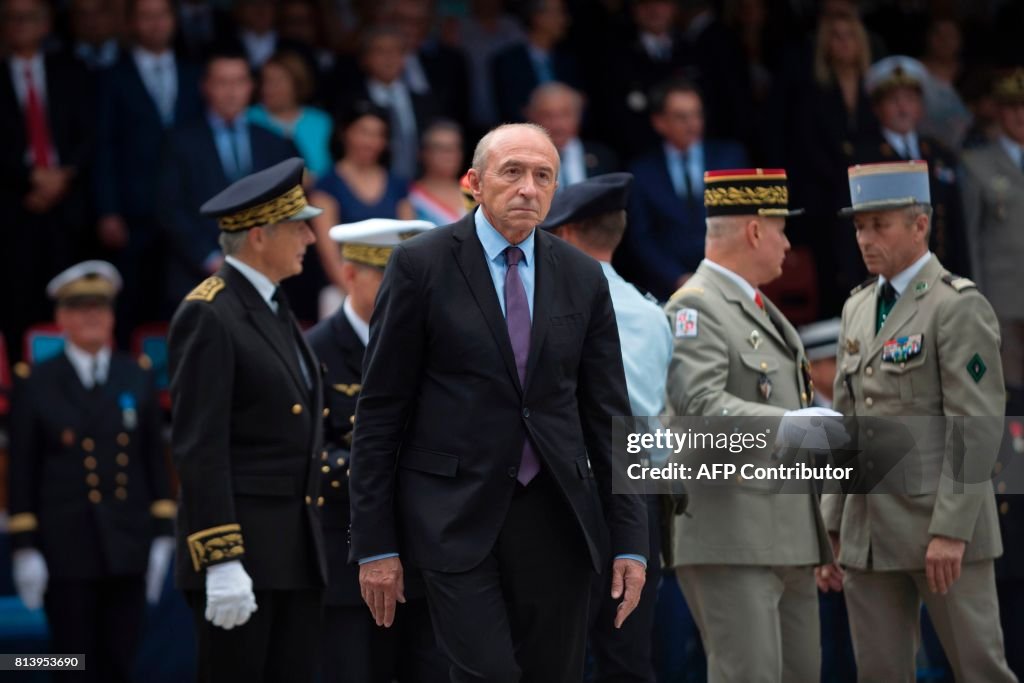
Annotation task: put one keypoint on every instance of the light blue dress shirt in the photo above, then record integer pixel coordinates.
(233, 146)
(694, 168)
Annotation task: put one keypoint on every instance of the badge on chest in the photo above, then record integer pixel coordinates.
(902, 349)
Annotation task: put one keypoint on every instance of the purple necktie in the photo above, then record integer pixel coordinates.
(517, 318)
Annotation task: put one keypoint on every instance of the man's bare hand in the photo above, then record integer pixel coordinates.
(829, 577)
(628, 577)
(942, 562)
(382, 584)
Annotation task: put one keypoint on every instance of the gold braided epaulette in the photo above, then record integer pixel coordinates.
(214, 545)
(207, 290)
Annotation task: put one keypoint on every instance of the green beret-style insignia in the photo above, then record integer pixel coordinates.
(976, 368)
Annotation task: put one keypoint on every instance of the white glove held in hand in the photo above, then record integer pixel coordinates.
(160, 552)
(815, 428)
(229, 597)
(30, 577)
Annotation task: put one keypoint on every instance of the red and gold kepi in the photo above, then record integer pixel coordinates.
(747, 192)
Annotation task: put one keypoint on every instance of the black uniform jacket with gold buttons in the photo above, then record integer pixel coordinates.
(246, 439)
(88, 475)
(341, 352)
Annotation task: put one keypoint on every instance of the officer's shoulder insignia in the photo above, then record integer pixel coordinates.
(686, 322)
(958, 283)
(207, 290)
(864, 285)
(22, 370)
(144, 361)
(684, 291)
(347, 389)
(976, 368)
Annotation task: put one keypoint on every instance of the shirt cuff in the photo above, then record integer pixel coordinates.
(374, 558)
(639, 558)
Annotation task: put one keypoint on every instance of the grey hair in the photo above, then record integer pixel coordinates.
(554, 88)
(911, 213)
(232, 242)
(483, 148)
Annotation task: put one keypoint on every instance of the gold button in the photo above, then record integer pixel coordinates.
(308, 500)
(335, 484)
(123, 440)
(803, 396)
(1004, 507)
(121, 479)
(352, 420)
(122, 459)
(323, 456)
(92, 479)
(325, 469)
(869, 401)
(320, 502)
(1002, 487)
(296, 409)
(764, 366)
(95, 496)
(88, 445)
(89, 462)
(327, 411)
(869, 371)
(121, 493)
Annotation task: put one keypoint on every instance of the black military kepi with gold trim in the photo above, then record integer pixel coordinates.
(273, 195)
(371, 242)
(747, 192)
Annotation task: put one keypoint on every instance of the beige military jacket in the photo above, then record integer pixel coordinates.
(942, 359)
(725, 347)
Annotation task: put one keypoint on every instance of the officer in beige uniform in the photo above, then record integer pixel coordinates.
(745, 558)
(918, 341)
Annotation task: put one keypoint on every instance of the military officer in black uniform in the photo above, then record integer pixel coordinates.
(89, 502)
(247, 442)
(355, 649)
(895, 85)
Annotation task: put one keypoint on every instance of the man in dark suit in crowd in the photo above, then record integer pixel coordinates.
(90, 510)
(559, 109)
(895, 85)
(247, 442)
(201, 27)
(483, 448)
(354, 649)
(543, 58)
(147, 92)
(200, 158)
(95, 26)
(665, 240)
(430, 66)
(46, 115)
(382, 61)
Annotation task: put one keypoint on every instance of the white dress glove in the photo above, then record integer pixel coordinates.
(229, 597)
(813, 428)
(30, 577)
(160, 552)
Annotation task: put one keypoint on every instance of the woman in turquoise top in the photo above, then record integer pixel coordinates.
(285, 83)
(359, 185)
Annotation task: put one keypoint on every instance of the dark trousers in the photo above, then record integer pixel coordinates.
(1011, 615)
(100, 618)
(280, 642)
(521, 614)
(624, 655)
(356, 650)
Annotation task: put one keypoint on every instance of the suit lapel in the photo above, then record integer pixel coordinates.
(783, 326)
(352, 349)
(544, 272)
(143, 94)
(222, 174)
(472, 260)
(906, 306)
(267, 324)
(732, 292)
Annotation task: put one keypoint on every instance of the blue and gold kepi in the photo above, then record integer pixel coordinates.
(889, 185)
(273, 195)
(747, 192)
(588, 198)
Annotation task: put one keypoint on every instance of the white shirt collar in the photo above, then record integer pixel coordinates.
(82, 362)
(147, 60)
(902, 281)
(1015, 151)
(899, 142)
(573, 161)
(261, 282)
(653, 44)
(359, 326)
(747, 288)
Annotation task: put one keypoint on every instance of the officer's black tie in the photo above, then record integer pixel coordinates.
(886, 300)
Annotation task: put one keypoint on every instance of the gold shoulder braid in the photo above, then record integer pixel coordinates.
(215, 544)
(207, 290)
